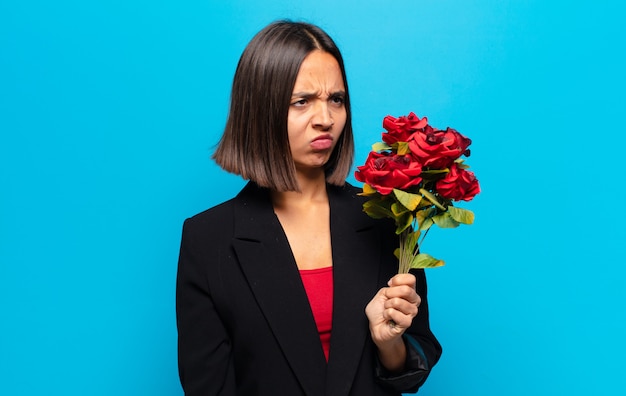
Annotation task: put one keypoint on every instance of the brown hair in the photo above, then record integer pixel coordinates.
(255, 143)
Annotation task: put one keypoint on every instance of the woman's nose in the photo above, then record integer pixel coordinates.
(323, 118)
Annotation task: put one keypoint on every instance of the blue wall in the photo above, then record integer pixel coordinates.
(109, 111)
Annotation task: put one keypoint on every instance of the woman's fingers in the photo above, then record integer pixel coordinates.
(403, 279)
(404, 306)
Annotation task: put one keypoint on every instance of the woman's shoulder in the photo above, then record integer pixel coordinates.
(210, 221)
(217, 211)
(222, 215)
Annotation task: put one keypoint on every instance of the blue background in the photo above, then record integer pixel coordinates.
(109, 111)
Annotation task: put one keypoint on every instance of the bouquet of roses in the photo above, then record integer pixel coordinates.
(413, 176)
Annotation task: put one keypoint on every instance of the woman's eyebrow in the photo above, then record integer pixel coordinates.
(303, 94)
(308, 95)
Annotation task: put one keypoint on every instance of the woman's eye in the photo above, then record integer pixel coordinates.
(338, 100)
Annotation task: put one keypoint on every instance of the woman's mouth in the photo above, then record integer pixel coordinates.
(323, 142)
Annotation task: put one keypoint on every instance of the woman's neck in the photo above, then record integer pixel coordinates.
(312, 190)
(305, 219)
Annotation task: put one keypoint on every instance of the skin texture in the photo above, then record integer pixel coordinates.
(316, 111)
(390, 313)
(316, 119)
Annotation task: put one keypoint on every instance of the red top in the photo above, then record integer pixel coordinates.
(318, 284)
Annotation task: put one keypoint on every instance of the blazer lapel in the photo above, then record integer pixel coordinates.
(356, 255)
(270, 269)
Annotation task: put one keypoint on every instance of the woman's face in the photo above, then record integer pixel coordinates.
(317, 113)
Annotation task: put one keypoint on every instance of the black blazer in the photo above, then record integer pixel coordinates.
(245, 326)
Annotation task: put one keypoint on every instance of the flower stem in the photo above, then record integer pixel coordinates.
(423, 237)
(403, 265)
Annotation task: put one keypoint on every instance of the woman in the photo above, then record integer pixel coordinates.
(289, 288)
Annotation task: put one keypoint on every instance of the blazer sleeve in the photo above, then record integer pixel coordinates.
(204, 347)
(423, 349)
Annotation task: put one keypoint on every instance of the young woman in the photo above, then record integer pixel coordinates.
(289, 288)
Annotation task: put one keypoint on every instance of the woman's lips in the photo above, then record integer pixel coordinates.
(323, 142)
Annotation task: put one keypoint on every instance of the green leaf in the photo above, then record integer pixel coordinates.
(444, 220)
(368, 190)
(402, 216)
(435, 171)
(424, 204)
(432, 175)
(461, 165)
(461, 215)
(424, 260)
(402, 148)
(431, 197)
(398, 209)
(377, 208)
(426, 224)
(403, 221)
(424, 218)
(380, 146)
(410, 201)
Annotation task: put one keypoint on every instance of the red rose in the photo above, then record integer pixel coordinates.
(400, 129)
(386, 171)
(459, 184)
(437, 149)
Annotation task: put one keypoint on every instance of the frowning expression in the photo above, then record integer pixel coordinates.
(317, 112)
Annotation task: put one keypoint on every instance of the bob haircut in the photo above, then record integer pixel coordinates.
(255, 143)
